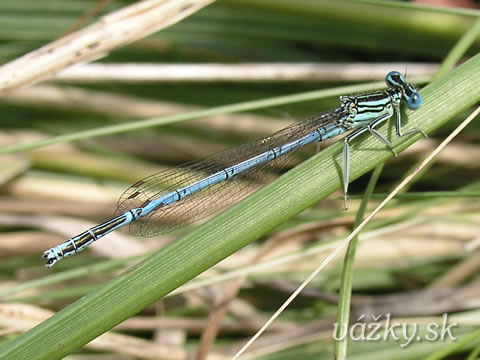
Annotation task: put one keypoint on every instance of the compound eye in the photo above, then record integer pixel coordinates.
(414, 101)
(394, 79)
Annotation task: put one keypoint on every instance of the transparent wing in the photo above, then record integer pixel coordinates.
(217, 196)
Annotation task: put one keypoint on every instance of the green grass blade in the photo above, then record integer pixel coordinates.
(459, 49)
(450, 349)
(184, 259)
(474, 354)
(426, 8)
(345, 294)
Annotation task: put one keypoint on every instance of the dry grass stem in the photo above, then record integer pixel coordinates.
(95, 73)
(117, 29)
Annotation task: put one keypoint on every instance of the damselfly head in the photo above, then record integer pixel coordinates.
(412, 97)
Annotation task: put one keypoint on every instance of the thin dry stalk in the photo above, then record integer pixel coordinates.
(140, 73)
(119, 28)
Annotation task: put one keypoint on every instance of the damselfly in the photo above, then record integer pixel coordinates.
(196, 190)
